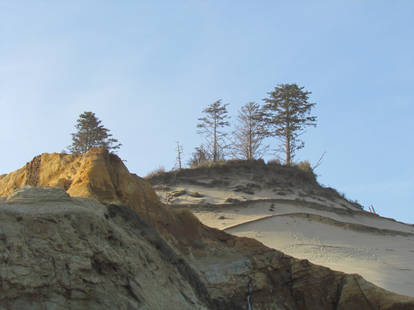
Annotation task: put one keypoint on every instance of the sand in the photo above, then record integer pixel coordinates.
(329, 232)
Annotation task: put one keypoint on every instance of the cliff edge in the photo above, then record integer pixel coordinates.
(207, 268)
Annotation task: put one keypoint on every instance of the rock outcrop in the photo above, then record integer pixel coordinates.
(59, 252)
(66, 252)
(97, 174)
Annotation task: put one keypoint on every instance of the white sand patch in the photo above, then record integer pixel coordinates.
(327, 230)
(236, 215)
(386, 260)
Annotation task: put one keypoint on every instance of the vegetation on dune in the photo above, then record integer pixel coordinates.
(302, 170)
(160, 170)
(260, 175)
(285, 115)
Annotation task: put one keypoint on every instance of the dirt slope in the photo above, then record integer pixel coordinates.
(286, 209)
(235, 271)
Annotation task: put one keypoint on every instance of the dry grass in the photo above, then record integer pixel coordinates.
(159, 171)
(305, 166)
(289, 175)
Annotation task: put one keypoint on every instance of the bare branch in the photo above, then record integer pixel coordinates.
(319, 162)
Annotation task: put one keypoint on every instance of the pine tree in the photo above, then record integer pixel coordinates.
(211, 125)
(248, 135)
(285, 116)
(91, 133)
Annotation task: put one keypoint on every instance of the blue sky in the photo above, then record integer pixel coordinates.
(148, 68)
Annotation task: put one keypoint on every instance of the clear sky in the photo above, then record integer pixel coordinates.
(148, 68)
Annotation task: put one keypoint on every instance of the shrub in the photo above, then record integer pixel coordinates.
(274, 162)
(156, 172)
(304, 166)
(210, 164)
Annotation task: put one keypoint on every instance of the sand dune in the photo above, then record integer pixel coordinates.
(385, 259)
(325, 229)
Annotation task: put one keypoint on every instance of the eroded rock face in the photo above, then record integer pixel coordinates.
(75, 253)
(103, 176)
(97, 174)
(236, 268)
(215, 269)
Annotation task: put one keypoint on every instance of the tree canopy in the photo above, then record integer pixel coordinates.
(285, 115)
(211, 126)
(248, 135)
(91, 133)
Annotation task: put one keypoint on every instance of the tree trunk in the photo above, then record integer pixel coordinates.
(288, 150)
(250, 155)
(215, 140)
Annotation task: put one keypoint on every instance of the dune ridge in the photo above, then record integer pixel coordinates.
(302, 218)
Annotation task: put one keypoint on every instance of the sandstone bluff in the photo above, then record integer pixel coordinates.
(81, 232)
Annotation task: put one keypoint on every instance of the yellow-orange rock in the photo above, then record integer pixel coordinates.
(96, 174)
(103, 176)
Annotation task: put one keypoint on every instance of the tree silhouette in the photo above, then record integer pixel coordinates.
(248, 134)
(211, 125)
(285, 116)
(91, 133)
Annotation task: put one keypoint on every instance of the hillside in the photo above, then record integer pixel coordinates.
(59, 252)
(109, 241)
(286, 209)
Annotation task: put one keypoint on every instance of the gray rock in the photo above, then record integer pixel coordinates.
(75, 254)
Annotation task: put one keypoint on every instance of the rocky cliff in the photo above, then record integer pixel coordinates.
(59, 252)
(286, 209)
(66, 252)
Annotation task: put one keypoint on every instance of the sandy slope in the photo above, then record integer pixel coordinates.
(384, 259)
(329, 231)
